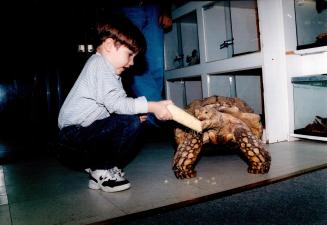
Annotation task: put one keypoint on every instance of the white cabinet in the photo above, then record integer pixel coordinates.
(213, 49)
(249, 49)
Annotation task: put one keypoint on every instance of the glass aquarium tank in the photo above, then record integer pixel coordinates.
(181, 43)
(310, 105)
(311, 23)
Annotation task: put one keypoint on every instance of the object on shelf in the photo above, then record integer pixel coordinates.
(321, 39)
(178, 61)
(321, 5)
(310, 105)
(317, 128)
(181, 40)
(194, 58)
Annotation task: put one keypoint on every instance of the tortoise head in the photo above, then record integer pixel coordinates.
(205, 112)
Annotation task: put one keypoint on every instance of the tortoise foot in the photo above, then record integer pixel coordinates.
(259, 168)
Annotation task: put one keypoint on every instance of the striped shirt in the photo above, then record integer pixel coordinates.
(96, 94)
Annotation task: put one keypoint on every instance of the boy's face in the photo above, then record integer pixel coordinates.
(121, 58)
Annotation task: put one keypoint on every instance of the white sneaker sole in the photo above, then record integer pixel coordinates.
(95, 186)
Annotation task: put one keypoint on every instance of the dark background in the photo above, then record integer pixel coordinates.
(40, 62)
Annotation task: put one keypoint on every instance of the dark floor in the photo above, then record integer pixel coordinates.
(298, 200)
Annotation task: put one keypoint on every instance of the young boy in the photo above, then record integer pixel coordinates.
(97, 117)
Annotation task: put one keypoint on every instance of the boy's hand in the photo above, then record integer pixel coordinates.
(160, 109)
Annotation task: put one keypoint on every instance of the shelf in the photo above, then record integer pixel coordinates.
(309, 51)
(309, 137)
(237, 63)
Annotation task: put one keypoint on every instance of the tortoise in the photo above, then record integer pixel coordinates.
(224, 120)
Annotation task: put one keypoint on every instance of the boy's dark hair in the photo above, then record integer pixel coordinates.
(122, 31)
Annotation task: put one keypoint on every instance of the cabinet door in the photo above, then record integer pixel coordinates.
(183, 92)
(221, 85)
(309, 101)
(182, 43)
(176, 92)
(311, 23)
(216, 31)
(193, 90)
(244, 26)
(248, 88)
(190, 40)
(171, 49)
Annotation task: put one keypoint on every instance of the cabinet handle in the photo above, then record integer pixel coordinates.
(226, 43)
(178, 58)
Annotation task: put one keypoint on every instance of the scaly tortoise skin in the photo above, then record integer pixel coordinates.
(225, 120)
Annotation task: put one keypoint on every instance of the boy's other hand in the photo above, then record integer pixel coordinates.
(143, 117)
(166, 22)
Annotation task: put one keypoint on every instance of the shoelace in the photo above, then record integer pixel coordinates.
(117, 173)
(115, 170)
(108, 175)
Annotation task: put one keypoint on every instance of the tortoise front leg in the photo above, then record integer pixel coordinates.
(257, 155)
(186, 155)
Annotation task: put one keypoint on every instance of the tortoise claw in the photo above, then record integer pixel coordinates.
(259, 168)
(184, 174)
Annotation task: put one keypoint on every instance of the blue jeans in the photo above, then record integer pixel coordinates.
(149, 82)
(102, 145)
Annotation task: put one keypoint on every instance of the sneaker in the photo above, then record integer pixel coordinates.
(111, 180)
